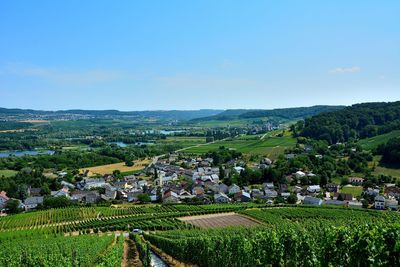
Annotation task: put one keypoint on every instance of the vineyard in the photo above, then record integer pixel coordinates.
(286, 235)
(292, 236)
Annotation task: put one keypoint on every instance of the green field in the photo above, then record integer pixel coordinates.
(7, 173)
(269, 146)
(184, 141)
(354, 190)
(373, 142)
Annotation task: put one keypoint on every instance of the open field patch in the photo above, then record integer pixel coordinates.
(109, 168)
(269, 146)
(7, 173)
(219, 220)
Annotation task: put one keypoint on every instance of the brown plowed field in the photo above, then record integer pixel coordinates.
(219, 220)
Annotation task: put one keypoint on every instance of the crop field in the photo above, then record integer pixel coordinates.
(374, 142)
(109, 168)
(7, 173)
(219, 220)
(270, 146)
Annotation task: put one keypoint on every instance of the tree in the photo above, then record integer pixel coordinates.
(13, 206)
(292, 199)
(129, 163)
(144, 198)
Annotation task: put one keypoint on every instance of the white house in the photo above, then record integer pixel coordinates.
(379, 203)
(314, 189)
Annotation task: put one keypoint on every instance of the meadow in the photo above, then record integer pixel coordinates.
(7, 173)
(374, 142)
(109, 168)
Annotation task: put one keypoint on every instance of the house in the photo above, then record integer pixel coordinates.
(355, 180)
(285, 195)
(242, 196)
(233, 189)
(93, 183)
(34, 192)
(121, 184)
(32, 202)
(3, 199)
(332, 188)
(66, 184)
(238, 169)
(299, 174)
(223, 188)
(379, 203)
(392, 204)
(270, 193)
(343, 196)
(268, 185)
(64, 192)
(170, 197)
(110, 193)
(257, 193)
(314, 189)
(91, 197)
(221, 198)
(133, 196)
(183, 194)
(312, 201)
(198, 191)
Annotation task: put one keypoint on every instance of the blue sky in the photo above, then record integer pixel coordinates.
(142, 55)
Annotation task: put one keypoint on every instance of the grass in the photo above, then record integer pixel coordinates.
(270, 146)
(374, 142)
(383, 169)
(354, 190)
(7, 173)
(109, 168)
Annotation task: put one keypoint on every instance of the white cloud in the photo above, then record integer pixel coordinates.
(341, 70)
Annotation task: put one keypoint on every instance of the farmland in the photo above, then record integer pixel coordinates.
(269, 146)
(109, 168)
(219, 220)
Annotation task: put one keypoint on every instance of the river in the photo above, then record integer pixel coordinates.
(5, 154)
(157, 261)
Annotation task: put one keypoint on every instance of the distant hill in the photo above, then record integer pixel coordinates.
(357, 121)
(78, 113)
(283, 113)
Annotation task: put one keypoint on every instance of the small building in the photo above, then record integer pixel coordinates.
(343, 196)
(270, 193)
(221, 198)
(32, 202)
(355, 180)
(242, 196)
(3, 199)
(233, 189)
(392, 204)
(312, 201)
(332, 188)
(379, 203)
(314, 189)
(34, 191)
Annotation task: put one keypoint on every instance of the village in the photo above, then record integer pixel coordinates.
(176, 178)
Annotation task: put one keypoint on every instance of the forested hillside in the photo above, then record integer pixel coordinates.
(283, 113)
(357, 121)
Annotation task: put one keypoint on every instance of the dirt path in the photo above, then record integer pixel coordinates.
(130, 255)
